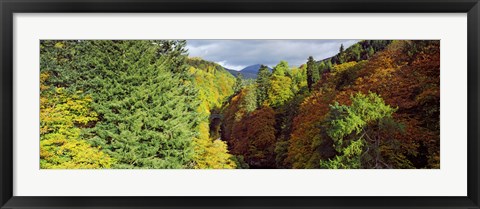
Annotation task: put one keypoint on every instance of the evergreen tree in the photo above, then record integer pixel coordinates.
(142, 93)
(370, 51)
(341, 55)
(328, 65)
(238, 82)
(174, 51)
(250, 100)
(321, 68)
(263, 82)
(312, 73)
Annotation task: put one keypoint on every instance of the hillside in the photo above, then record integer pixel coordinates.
(146, 105)
(378, 112)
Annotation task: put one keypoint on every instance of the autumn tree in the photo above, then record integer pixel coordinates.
(62, 115)
(307, 145)
(406, 138)
(280, 86)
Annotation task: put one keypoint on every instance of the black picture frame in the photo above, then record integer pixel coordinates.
(9, 7)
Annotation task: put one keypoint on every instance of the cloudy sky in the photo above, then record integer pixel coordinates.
(237, 54)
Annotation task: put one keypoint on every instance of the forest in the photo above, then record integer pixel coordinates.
(147, 104)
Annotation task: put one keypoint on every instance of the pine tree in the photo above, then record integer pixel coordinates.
(312, 73)
(238, 83)
(263, 82)
(328, 65)
(341, 55)
(141, 90)
(370, 51)
(321, 68)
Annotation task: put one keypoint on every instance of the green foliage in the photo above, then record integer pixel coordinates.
(142, 93)
(299, 79)
(214, 84)
(350, 158)
(328, 66)
(249, 102)
(144, 104)
(350, 129)
(240, 162)
(280, 90)
(371, 51)
(280, 86)
(354, 53)
(341, 55)
(347, 119)
(312, 73)
(238, 82)
(281, 69)
(362, 50)
(263, 83)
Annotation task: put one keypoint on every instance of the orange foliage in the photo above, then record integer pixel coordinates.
(411, 83)
(306, 125)
(251, 135)
(406, 75)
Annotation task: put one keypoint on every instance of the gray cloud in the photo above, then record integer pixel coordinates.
(237, 54)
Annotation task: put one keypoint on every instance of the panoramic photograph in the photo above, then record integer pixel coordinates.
(239, 104)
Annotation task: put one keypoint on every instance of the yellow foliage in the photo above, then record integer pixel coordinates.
(211, 154)
(60, 145)
(60, 113)
(59, 45)
(214, 88)
(62, 153)
(342, 67)
(280, 90)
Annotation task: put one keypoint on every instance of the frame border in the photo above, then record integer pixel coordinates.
(9, 7)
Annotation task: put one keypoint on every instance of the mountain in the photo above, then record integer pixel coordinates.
(251, 68)
(249, 72)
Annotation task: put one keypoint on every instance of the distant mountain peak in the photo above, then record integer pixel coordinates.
(253, 68)
(249, 72)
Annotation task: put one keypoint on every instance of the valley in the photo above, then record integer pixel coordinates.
(147, 105)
